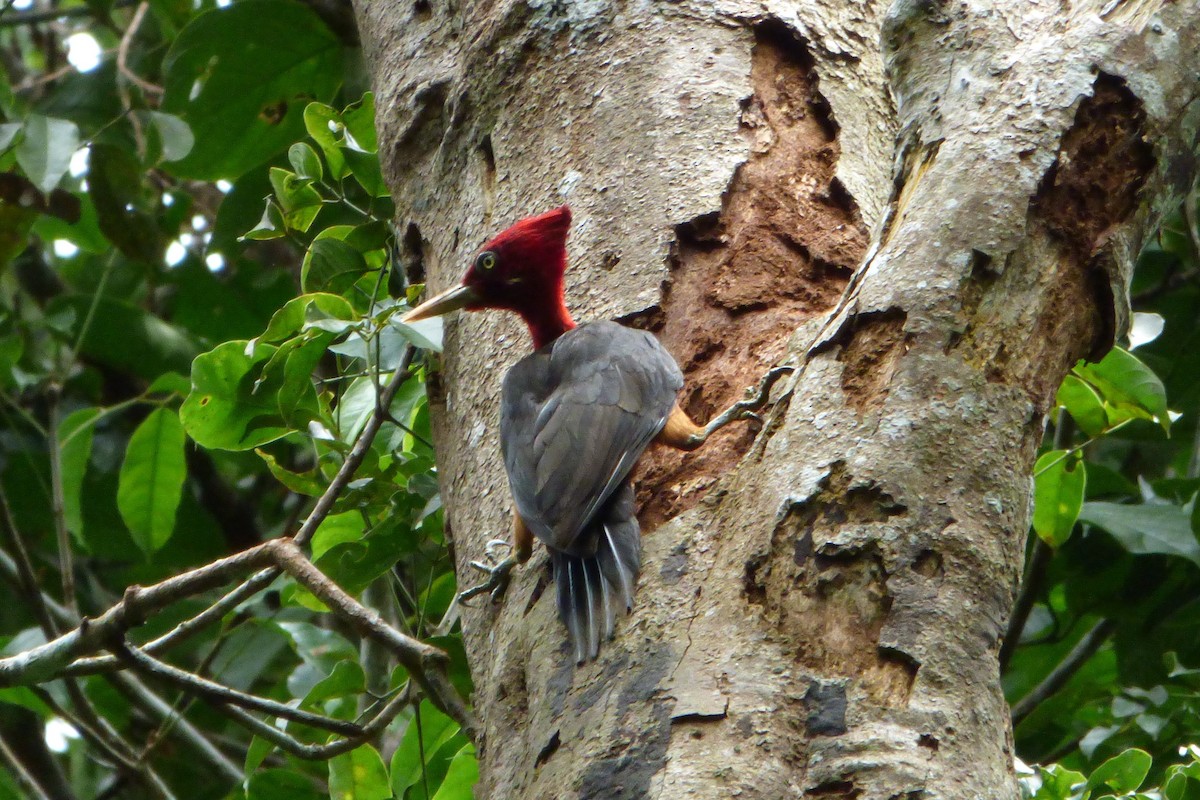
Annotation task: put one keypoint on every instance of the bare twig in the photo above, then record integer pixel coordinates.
(213, 691)
(424, 662)
(22, 774)
(46, 661)
(185, 629)
(1084, 649)
(187, 733)
(321, 752)
(123, 53)
(58, 509)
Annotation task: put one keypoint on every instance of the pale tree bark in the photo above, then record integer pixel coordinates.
(931, 208)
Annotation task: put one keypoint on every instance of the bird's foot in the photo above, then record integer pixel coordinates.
(499, 573)
(756, 400)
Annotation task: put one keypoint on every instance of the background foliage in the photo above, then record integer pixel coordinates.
(199, 280)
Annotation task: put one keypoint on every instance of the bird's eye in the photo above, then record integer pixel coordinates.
(485, 261)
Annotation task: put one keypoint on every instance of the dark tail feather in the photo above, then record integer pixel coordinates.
(591, 589)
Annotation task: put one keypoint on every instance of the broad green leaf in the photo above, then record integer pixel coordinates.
(425, 334)
(1057, 783)
(296, 392)
(360, 124)
(462, 776)
(282, 784)
(116, 186)
(1123, 773)
(298, 199)
(433, 733)
(1059, 483)
(175, 136)
(223, 411)
(46, 148)
(8, 134)
(1083, 404)
(124, 336)
(270, 226)
(152, 477)
(305, 161)
(331, 265)
(290, 319)
(323, 125)
(1146, 528)
(170, 383)
(305, 483)
(336, 529)
(75, 449)
(256, 753)
(239, 76)
(359, 775)
(1128, 385)
(346, 680)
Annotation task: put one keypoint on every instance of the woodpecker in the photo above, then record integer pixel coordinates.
(575, 416)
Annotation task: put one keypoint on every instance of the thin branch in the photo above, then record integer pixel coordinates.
(58, 510)
(184, 630)
(312, 752)
(22, 774)
(215, 692)
(183, 730)
(424, 662)
(123, 53)
(46, 661)
(1031, 590)
(357, 453)
(1084, 649)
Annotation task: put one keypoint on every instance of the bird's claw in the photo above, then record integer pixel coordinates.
(499, 575)
(758, 396)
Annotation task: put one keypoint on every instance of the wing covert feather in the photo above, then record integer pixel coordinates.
(575, 417)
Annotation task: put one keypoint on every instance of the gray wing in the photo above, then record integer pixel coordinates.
(575, 417)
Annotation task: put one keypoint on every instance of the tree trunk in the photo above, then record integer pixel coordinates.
(930, 208)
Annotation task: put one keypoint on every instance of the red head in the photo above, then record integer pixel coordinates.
(521, 270)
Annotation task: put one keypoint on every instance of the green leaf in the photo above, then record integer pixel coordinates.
(1057, 783)
(336, 529)
(305, 161)
(115, 184)
(281, 784)
(305, 483)
(256, 753)
(151, 480)
(1122, 773)
(1059, 482)
(1083, 404)
(346, 680)
(8, 134)
(462, 776)
(435, 732)
(331, 265)
(1129, 386)
(290, 319)
(174, 134)
(271, 226)
(223, 411)
(1146, 528)
(359, 775)
(240, 76)
(323, 124)
(46, 148)
(124, 336)
(75, 449)
(359, 117)
(298, 199)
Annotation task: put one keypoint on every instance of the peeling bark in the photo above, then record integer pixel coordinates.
(931, 208)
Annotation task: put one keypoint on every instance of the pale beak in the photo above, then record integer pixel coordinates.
(444, 303)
